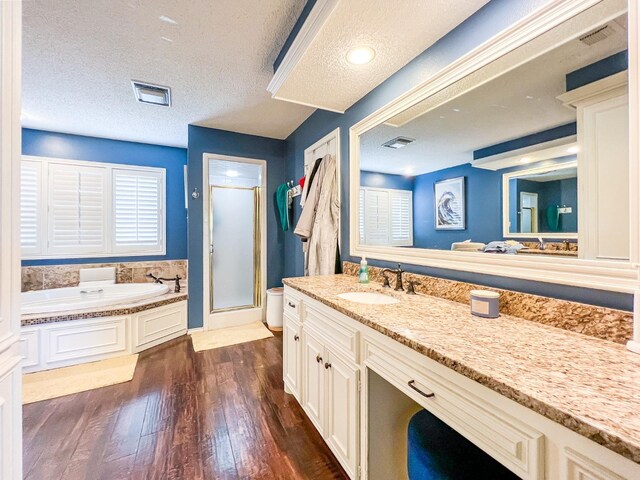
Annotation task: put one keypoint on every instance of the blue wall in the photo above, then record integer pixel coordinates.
(385, 180)
(208, 140)
(484, 208)
(487, 22)
(76, 147)
(598, 70)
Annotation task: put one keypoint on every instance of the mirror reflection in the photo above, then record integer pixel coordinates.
(530, 159)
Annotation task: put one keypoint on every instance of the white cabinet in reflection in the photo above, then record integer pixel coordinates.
(602, 109)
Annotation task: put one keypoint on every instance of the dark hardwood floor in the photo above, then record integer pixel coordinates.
(218, 414)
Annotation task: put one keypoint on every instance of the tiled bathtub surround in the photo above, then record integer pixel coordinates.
(58, 276)
(110, 311)
(600, 322)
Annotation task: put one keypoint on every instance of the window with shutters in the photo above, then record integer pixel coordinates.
(386, 217)
(31, 208)
(137, 210)
(73, 209)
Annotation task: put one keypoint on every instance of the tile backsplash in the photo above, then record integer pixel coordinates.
(45, 277)
(600, 322)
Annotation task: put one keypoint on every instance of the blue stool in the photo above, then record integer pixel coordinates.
(435, 451)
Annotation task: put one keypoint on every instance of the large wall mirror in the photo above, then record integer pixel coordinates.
(525, 159)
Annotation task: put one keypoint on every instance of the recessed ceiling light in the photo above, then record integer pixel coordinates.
(167, 39)
(573, 149)
(525, 160)
(232, 173)
(360, 55)
(166, 19)
(456, 109)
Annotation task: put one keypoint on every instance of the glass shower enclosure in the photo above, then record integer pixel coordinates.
(235, 230)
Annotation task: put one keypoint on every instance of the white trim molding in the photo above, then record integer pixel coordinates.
(611, 275)
(634, 152)
(318, 16)
(10, 150)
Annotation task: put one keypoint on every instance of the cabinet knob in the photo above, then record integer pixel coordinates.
(327, 366)
(296, 338)
(318, 359)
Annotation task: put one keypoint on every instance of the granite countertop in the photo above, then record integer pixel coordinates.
(588, 385)
(108, 311)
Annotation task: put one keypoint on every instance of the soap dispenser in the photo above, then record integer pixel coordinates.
(363, 274)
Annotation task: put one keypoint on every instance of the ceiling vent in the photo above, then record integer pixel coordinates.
(597, 35)
(152, 94)
(398, 142)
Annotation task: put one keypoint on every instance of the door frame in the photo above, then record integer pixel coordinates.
(230, 318)
(10, 154)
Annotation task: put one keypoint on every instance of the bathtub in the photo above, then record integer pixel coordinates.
(81, 298)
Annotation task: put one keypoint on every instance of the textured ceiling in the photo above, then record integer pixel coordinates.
(79, 58)
(398, 31)
(518, 103)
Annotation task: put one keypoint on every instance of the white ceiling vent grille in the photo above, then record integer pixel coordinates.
(398, 142)
(152, 94)
(597, 35)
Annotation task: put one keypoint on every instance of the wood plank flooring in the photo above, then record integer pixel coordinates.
(218, 414)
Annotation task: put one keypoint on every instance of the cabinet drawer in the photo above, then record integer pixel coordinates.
(291, 306)
(513, 443)
(342, 337)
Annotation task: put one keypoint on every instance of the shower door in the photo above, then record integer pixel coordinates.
(235, 248)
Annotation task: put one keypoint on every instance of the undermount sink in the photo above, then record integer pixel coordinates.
(369, 298)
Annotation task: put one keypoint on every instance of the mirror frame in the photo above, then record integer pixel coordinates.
(598, 274)
(506, 177)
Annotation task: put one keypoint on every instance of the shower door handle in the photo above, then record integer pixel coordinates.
(211, 248)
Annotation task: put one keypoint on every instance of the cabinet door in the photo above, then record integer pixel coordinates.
(313, 400)
(291, 356)
(342, 411)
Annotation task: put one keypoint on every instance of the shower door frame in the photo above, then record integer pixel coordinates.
(240, 315)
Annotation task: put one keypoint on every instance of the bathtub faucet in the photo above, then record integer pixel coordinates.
(160, 280)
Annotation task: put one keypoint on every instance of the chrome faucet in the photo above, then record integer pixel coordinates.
(398, 272)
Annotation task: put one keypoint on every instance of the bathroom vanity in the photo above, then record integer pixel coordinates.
(545, 402)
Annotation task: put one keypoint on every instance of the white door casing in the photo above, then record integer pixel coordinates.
(10, 151)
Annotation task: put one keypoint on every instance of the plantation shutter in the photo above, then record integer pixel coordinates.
(138, 210)
(376, 217)
(77, 209)
(31, 208)
(401, 217)
(386, 217)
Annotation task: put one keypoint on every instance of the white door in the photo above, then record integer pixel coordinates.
(342, 411)
(291, 357)
(10, 354)
(313, 384)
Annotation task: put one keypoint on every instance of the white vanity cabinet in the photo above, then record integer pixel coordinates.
(292, 355)
(321, 372)
(328, 361)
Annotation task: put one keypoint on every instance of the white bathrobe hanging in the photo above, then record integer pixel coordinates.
(320, 219)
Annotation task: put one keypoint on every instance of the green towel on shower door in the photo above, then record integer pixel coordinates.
(283, 208)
